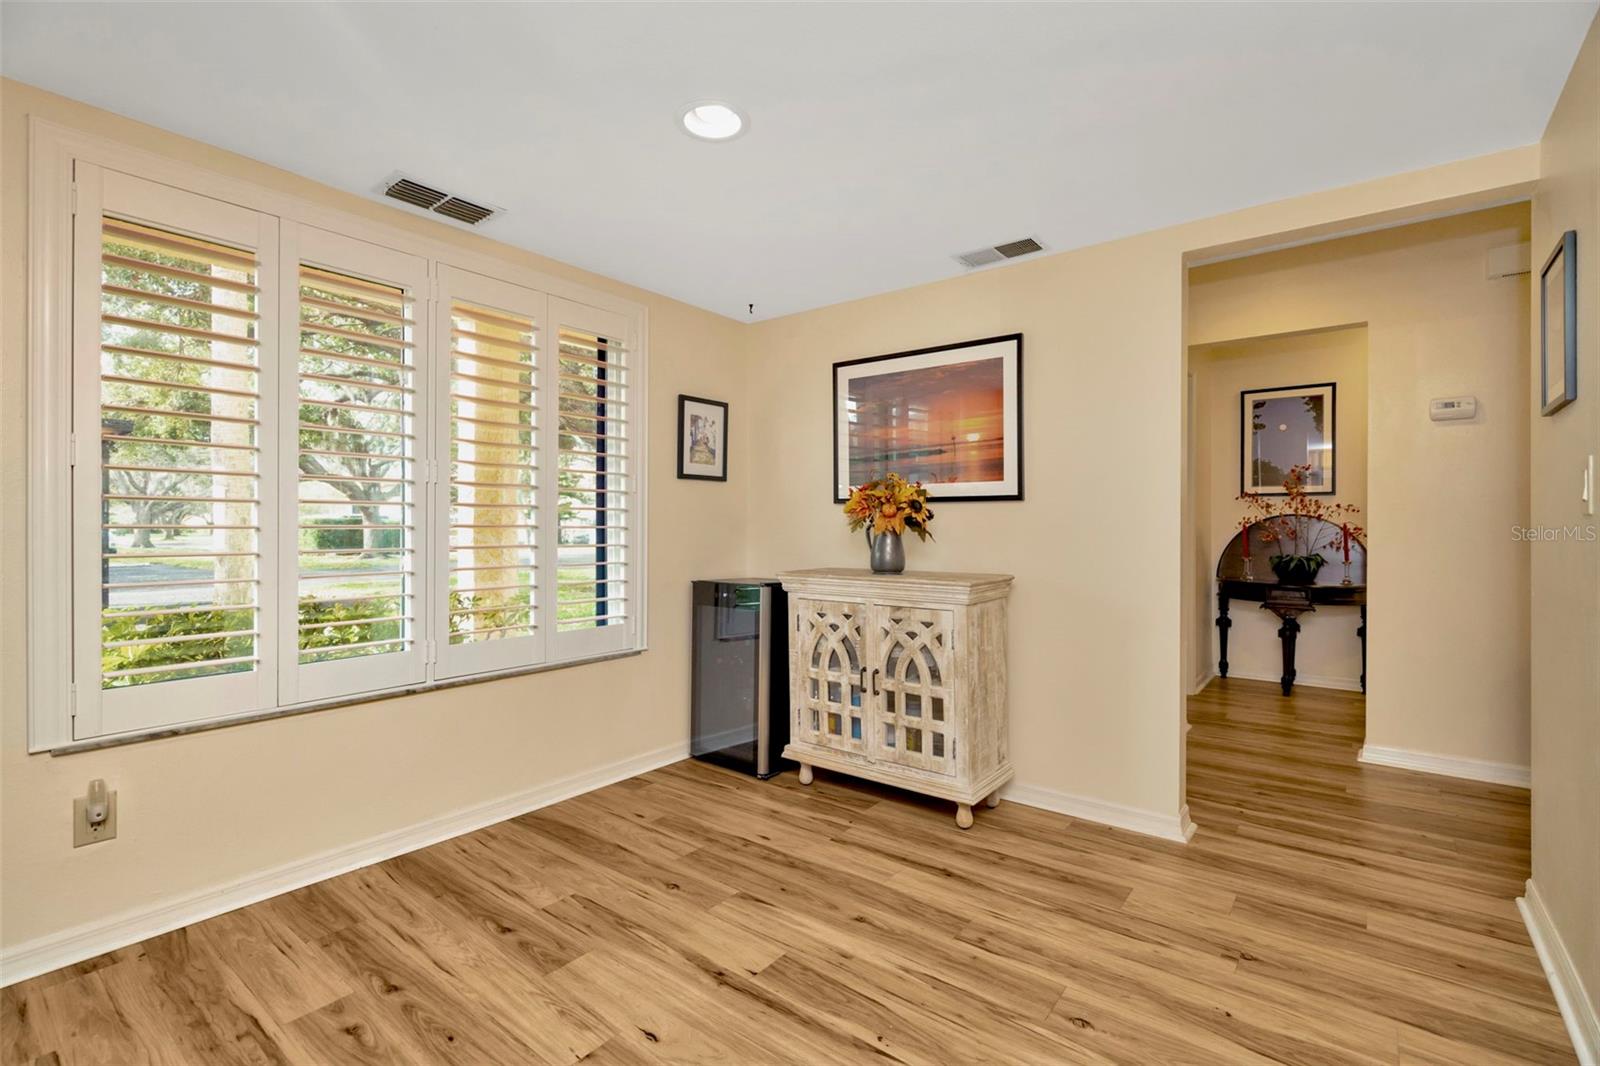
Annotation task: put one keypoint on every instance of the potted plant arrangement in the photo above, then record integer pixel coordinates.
(885, 508)
(1300, 526)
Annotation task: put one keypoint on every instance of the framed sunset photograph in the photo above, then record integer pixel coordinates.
(950, 417)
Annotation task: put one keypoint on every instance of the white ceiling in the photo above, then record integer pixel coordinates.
(883, 138)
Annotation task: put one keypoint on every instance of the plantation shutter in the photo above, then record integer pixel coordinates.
(306, 467)
(595, 485)
(489, 612)
(358, 535)
(172, 493)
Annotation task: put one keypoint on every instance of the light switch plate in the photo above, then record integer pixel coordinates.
(82, 832)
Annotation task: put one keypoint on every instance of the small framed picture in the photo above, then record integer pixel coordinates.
(702, 439)
(1558, 326)
(1280, 429)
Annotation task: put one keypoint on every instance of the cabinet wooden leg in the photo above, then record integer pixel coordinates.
(964, 815)
(992, 800)
(805, 773)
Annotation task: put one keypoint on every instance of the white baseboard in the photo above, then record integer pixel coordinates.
(1152, 823)
(55, 950)
(1200, 684)
(1497, 773)
(1577, 1009)
(1342, 684)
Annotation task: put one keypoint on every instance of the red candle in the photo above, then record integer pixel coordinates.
(1245, 534)
(1345, 529)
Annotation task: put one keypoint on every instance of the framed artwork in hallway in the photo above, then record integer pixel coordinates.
(1282, 428)
(949, 417)
(1558, 326)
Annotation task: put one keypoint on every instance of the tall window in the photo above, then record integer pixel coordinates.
(493, 614)
(172, 503)
(180, 417)
(353, 577)
(492, 452)
(307, 467)
(594, 473)
(357, 447)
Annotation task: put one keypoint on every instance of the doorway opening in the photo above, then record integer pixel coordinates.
(1367, 331)
(1262, 408)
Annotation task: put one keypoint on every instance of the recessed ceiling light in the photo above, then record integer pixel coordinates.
(713, 120)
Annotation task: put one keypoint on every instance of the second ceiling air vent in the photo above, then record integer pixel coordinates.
(436, 201)
(1009, 250)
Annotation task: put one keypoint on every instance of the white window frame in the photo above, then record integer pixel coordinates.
(312, 682)
(101, 712)
(54, 199)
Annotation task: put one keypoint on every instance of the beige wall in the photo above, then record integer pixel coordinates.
(1328, 653)
(1097, 546)
(1094, 646)
(204, 810)
(1448, 607)
(1566, 574)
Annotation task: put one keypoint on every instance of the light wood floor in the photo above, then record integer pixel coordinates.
(1325, 912)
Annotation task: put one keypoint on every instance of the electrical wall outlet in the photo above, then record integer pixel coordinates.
(94, 817)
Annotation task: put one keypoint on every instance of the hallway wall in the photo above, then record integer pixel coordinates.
(1566, 571)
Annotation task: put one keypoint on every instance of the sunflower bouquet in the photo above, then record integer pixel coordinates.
(892, 505)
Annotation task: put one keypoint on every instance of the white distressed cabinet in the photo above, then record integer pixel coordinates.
(901, 679)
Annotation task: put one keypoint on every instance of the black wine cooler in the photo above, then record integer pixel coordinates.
(739, 689)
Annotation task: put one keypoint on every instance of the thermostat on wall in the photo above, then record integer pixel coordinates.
(1453, 408)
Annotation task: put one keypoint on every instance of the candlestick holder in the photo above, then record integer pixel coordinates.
(1249, 574)
(1346, 580)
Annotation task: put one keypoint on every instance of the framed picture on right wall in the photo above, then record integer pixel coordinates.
(1558, 326)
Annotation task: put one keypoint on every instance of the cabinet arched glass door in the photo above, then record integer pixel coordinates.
(833, 702)
(914, 723)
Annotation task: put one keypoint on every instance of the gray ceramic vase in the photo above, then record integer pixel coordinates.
(887, 553)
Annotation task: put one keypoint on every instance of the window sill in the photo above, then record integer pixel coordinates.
(323, 705)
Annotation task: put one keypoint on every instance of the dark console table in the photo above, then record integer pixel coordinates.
(1255, 583)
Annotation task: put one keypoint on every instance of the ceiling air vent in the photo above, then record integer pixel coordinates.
(1012, 249)
(464, 210)
(1009, 250)
(413, 192)
(436, 201)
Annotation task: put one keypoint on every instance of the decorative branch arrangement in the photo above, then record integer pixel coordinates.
(1300, 526)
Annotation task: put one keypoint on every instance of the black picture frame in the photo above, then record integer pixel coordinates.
(1566, 254)
(840, 487)
(1332, 388)
(684, 461)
